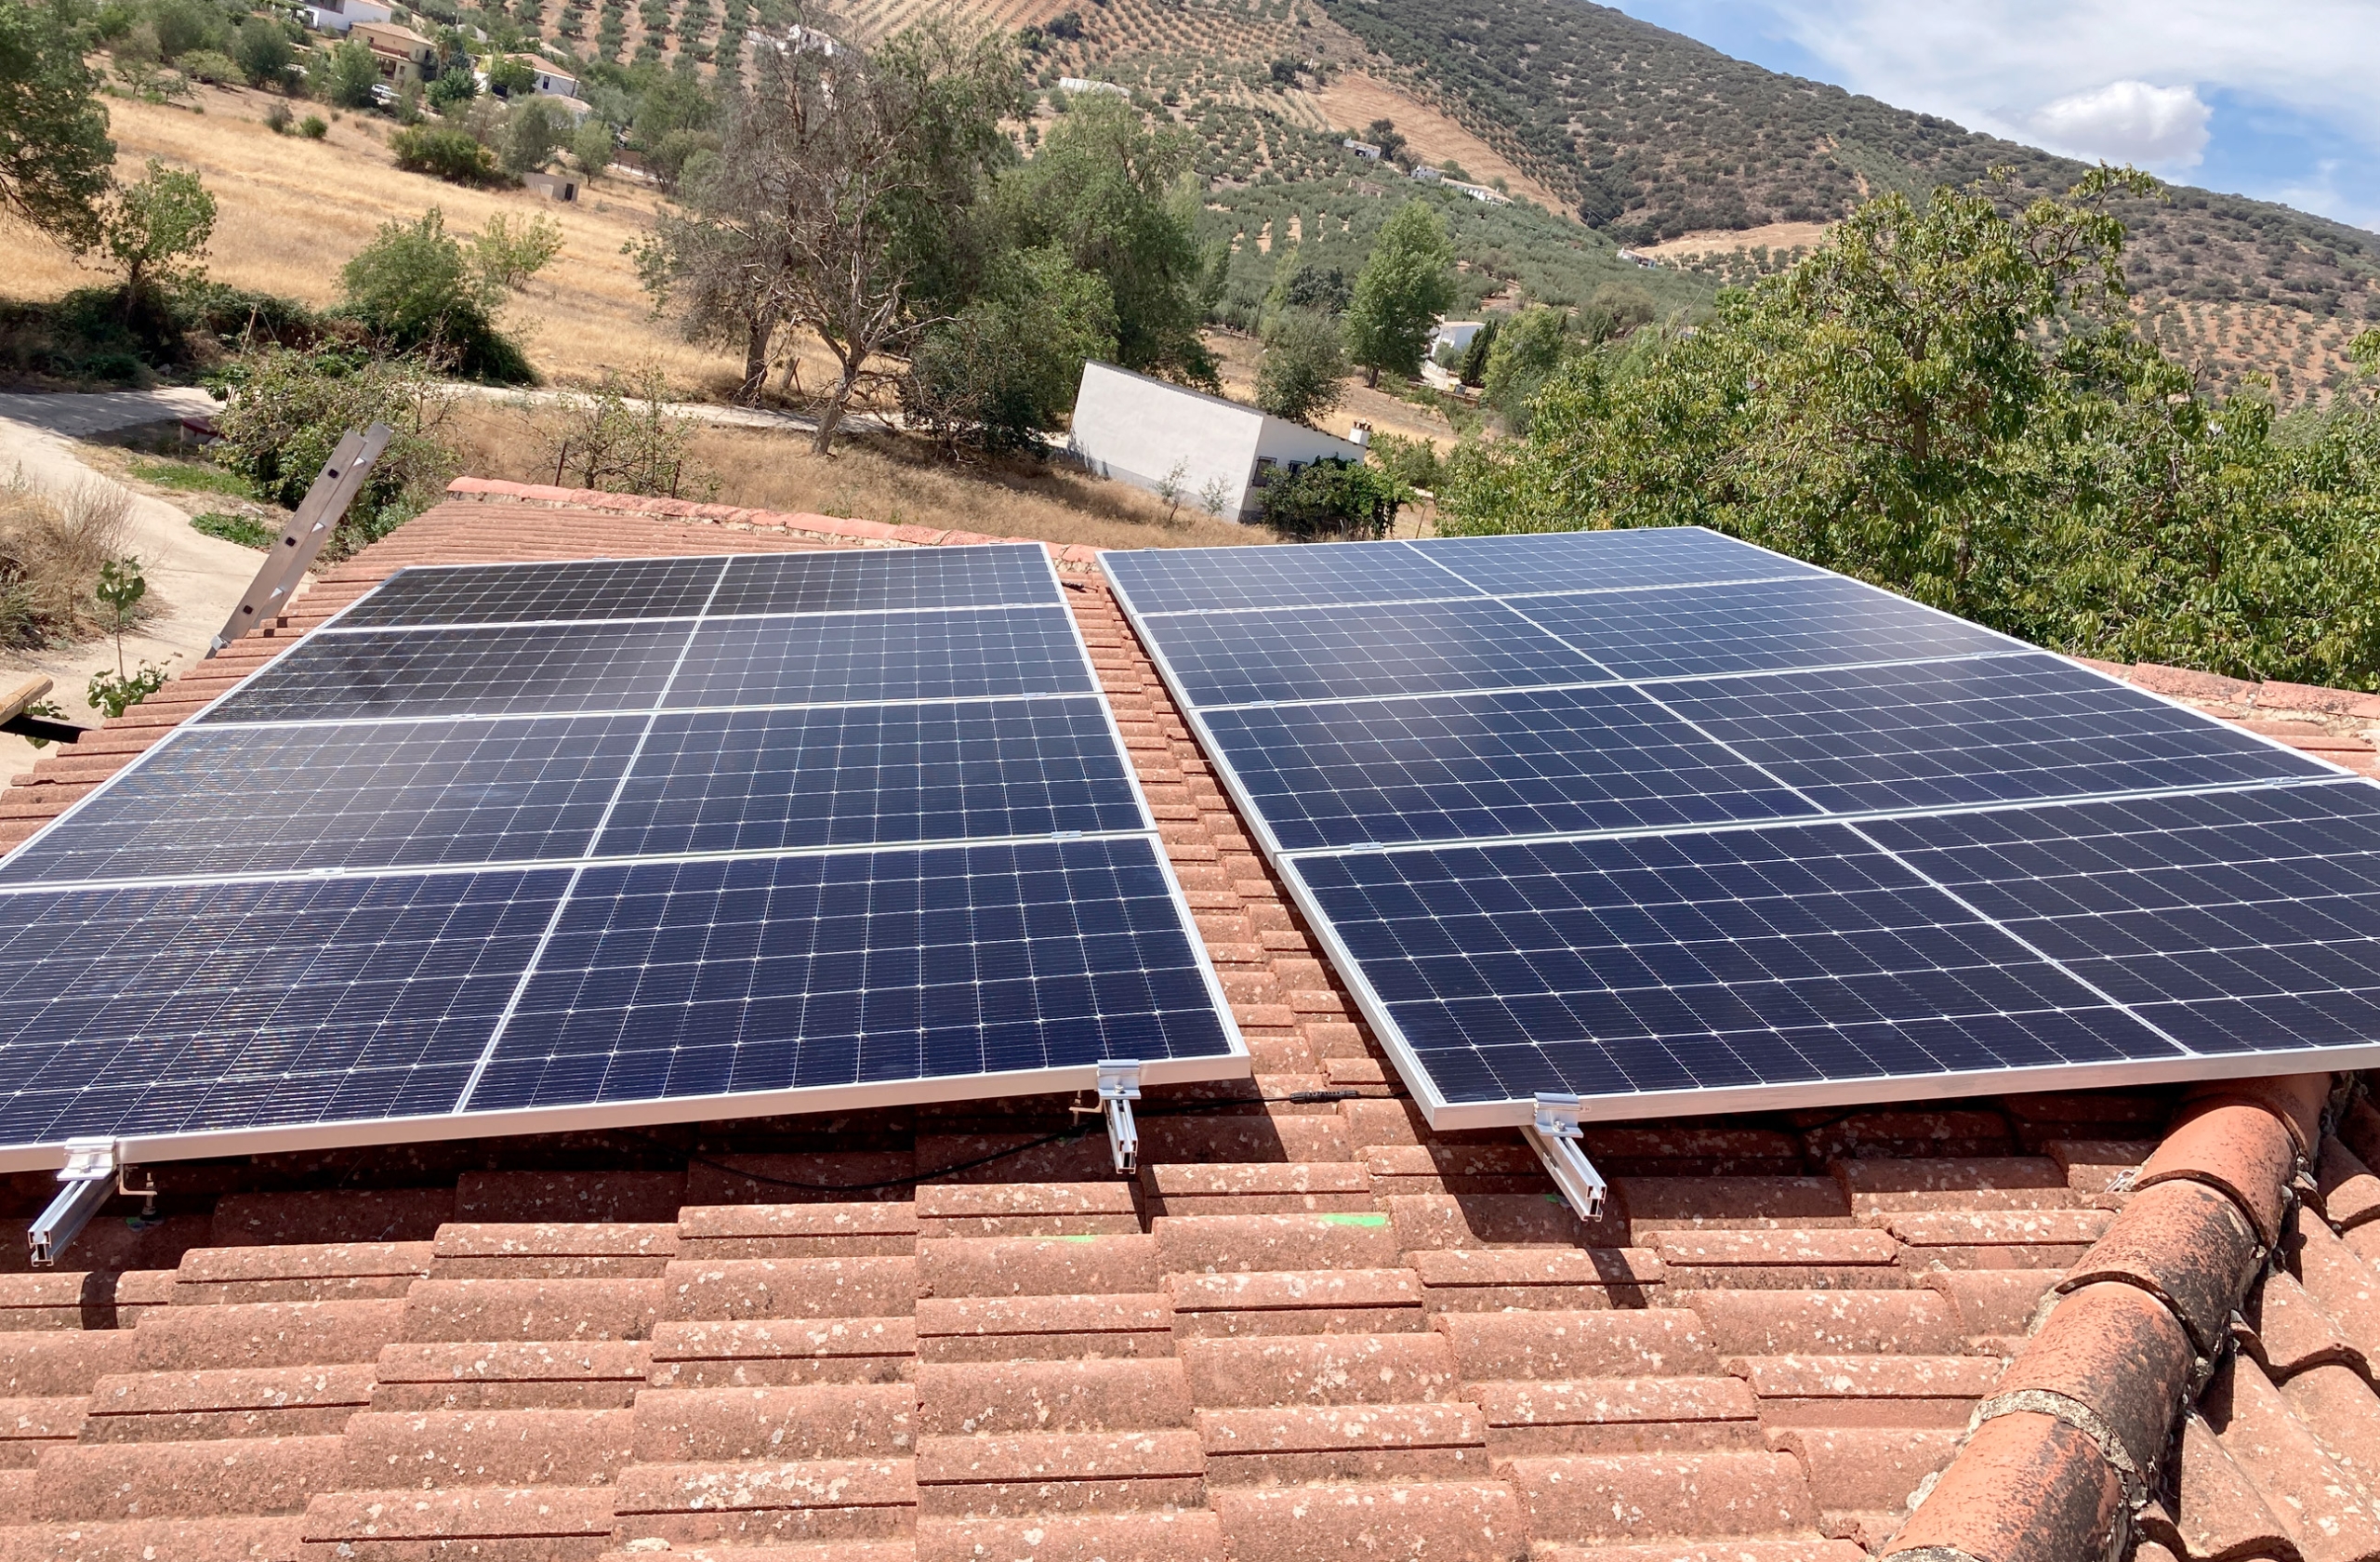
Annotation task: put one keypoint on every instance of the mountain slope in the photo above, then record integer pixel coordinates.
(1653, 136)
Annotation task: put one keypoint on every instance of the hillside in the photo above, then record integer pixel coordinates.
(1652, 135)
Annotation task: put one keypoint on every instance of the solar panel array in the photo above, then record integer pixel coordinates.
(551, 845)
(1667, 822)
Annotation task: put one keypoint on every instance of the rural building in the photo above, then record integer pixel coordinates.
(401, 54)
(1456, 334)
(1079, 85)
(1491, 195)
(1137, 429)
(552, 81)
(338, 16)
(553, 187)
(1362, 149)
(1424, 174)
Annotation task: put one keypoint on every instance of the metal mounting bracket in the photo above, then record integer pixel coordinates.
(91, 1179)
(1119, 1086)
(1555, 1135)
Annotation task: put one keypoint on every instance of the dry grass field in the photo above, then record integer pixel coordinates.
(293, 211)
(878, 478)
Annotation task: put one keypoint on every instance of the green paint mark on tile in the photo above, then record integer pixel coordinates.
(1355, 1220)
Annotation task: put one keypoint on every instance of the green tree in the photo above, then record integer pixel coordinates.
(348, 75)
(455, 88)
(1525, 352)
(417, 289)
(152, 229)
(591, 145)
(1005, 369)
(264, 52)
(1405, 285)
(1333, 500)
(55, 156)
(507, 78)
(533, 133)
(444, 152)
(1948, 399)
(1118, 198)
(1304, 369)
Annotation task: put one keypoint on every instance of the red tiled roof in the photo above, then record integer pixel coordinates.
(1307, 1331)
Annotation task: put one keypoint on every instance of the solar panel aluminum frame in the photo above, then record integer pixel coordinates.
(1234, 1063)
(1942, 1086)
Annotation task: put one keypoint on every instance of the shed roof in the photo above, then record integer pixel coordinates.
(1312, 1327)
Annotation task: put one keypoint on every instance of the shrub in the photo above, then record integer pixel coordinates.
(1332, 500)
(278, 118)
(444, 152)
(624, 439)
(314, 127)
(591, 144)
(285, 411)
(210, 66)
(246, 530)
(264, 52)
(348, 75)
(52, 546)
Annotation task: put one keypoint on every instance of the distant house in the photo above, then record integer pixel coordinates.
(1647, 261)
(551, 80)
(1494, 197)
(1078, 85)
(401, 54)
(338, 16)
(1456, 334)
(1138, 430)
(1424, 174)
(553, 187)
(1363, 150)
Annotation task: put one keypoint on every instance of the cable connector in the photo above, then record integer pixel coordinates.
(89, 1177)
(1119, 1086)
(1555, 1135)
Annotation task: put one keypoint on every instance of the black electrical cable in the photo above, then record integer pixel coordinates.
(1064, 1135)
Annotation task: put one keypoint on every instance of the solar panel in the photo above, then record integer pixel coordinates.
(577, 845)
(1741, 832)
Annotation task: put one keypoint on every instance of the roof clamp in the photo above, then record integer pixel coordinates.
(1119, 1086)
(1555, 1135)
(91, 1179)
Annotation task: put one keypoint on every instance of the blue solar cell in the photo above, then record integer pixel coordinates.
(1535, 762)
(1945, 735)
(873, 580)
(501, 593)
(529, 669)
(1769, 956)
(1539, 561)
(759, 780)
(214, 800)
(1332, 653)
(671, 980)
(1219, 580)
(179, 1009)
(1823, 622)
(2235, 921)
(868, 658)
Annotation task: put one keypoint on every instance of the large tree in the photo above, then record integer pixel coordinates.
(1948, 398)
(840, 182)
(1120, 200)
(55, 156)
(1406, 283)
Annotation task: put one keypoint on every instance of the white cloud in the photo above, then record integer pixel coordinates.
(1991, 64)
(2127, 122)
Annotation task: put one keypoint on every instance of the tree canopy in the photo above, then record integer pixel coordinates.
(55, 156)
(1949, 399)
(1406, 284)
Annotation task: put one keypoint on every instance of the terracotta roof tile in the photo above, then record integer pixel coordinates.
(1307, 1331)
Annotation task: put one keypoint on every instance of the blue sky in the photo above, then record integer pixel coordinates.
(2279, 102)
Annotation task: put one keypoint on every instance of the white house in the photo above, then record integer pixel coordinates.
(1494, 197)
(1454, 333)
(1078, 86)
(1139, 431)
(1363, 150)
(338, 16)
(552, 80)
